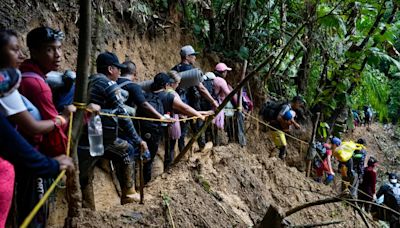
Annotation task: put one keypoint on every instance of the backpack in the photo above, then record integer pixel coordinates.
(359, 160)
(393, 197)
(346, 150)
(270, 110)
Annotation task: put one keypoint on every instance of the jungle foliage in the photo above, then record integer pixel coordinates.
(337, 54)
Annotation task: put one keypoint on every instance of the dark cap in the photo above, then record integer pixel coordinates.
(106, 59)
(372, 161)
(392, 176)
(9, 81)
(43, 35)
(361, 141)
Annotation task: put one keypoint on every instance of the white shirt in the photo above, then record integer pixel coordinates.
(12, 104)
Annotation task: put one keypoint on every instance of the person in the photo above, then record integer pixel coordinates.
(282, 122)
(174, 130)
(15, 150)
(368, 184)
(192, 95)
(136, 97)
(356, 117)
(324, 162)
(164, 103)
(120, 138)
(21, 112)
(359, 158)
(391, 193)
(346, 168)
(221, 90)
(368, 116)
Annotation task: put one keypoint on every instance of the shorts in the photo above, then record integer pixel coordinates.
(279, 139)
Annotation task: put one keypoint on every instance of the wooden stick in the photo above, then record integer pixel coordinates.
(318, 224)
(310, 144)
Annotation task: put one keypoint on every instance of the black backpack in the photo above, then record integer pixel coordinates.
(392, 199)
(270, 110)
(209, 84)
(155, 100)
(359, 160)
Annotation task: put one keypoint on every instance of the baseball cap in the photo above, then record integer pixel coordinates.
(9, 81)
(221, 67)
(393, 178)
(361, 141)
(372, 161)
(188, 50)
(288, 115)
(106, 59)
(336, 141)
(41, 35)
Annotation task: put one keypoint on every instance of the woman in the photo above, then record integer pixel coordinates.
(15, 149)
(14, 107)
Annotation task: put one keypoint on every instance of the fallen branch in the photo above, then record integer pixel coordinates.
(318, 224)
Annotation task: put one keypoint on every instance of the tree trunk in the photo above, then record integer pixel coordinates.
(73, 187)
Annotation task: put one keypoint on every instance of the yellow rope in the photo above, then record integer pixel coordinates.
(32, 214)
(149, 119)
(273, 128)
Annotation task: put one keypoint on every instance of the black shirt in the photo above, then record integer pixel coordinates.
(136, 96)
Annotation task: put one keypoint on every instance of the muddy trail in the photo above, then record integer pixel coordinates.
(226, 186)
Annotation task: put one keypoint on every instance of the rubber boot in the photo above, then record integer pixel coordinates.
(282, 153)
(127, 184)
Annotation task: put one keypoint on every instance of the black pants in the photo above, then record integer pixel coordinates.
(195, 126)
(169, 150)
(30, 190)
(152, 134)
(120, 153)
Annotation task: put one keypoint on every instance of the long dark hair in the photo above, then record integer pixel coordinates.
(5, 36)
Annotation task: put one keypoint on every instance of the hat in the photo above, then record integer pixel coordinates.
(9, 81)
(336, 141)
(393, 178)
(288, 115)
(372, 161)
(106, 59)
(361, 141)
(221, 67)
(41, 35)
(188, 50)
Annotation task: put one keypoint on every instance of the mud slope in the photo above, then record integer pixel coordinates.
(226, 187)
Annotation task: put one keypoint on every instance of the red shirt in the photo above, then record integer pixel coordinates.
(39, 93)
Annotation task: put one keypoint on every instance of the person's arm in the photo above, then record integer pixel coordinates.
(204, 92)
(29, 125)
(381, 191)
(185, 109)
(329, 160)
(18, 151)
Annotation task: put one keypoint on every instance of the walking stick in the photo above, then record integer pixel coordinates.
(141, 176)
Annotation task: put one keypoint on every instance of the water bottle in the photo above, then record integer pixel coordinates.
(166, 117)
(95, 132)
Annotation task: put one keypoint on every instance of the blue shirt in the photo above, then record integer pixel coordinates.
(15, 149)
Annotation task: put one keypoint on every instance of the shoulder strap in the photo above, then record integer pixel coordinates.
(32, 75)
(127, 82)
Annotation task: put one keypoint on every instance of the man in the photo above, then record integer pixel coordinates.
(136, 97)
(283, 120)
(119, 135)
(45, 47)
(368, 184)
(164, 103)
(391, 193)
(192, 95)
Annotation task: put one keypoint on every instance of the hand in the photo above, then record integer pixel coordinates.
(65, 163)
(215, 104)
(93, 108)
(374, 197)
(143, 145)
(68, 110)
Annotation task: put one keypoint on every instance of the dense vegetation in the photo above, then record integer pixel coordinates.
(337, 54)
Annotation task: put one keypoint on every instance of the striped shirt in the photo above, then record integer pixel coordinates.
(107, 94)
